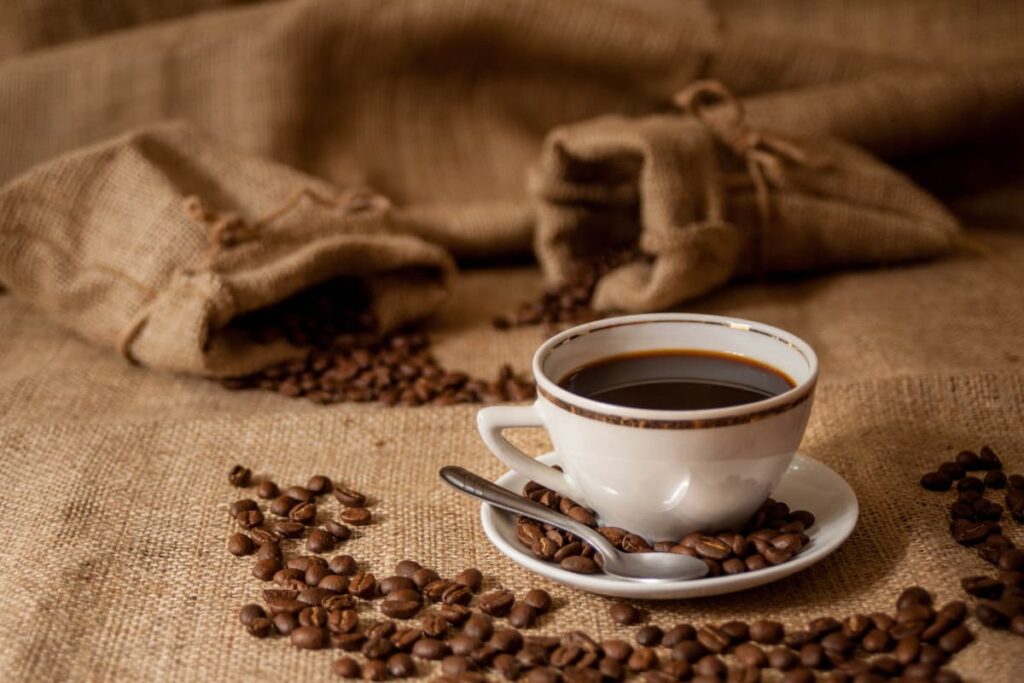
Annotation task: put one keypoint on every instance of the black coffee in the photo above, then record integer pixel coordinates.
(676, 380)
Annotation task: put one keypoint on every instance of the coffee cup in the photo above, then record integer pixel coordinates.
(662, 473)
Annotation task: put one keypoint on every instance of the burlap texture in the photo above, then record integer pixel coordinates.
(115, 490)
(680, 189)
(104, 241)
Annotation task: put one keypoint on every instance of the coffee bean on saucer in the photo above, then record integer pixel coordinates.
(624, 614)
(239, 476)
(349, 497)
(579, 564)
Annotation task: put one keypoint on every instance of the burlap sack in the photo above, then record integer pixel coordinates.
(706, 198)
(154, 242)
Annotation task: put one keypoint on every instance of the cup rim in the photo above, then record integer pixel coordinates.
(644, 417)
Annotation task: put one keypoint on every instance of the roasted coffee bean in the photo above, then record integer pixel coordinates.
(915, 595)
(313, 596)
(332, 583)
(568, 550)
(968, 459)
(678, 634)
(299, 493)
(456, 594)
(320, 541)
(395, 583)
(363, 585)
(642, 659)
(249, 613)
(303, 562)
(886, 665)
(907, 650)
(798, 675)
(579, 564)
(377, 648)
(774, 556)
(423, 576)
(970, 483)
(931, 654)
(401, 665)
(919, 671)
(1011, 560)
(914, 613)
(356, 516)
(455, 614)
(952, 470)
(249, 519)
(988, 460)
(261, 536)
(309, 637)
(471, 578)
(349, 642)
(522, 616)
(565, 655)
(738, 631)
(479, 626)
(783, 659)
(264, 570)
(751, 655)
(242, 505)
(463, 644)
(290, 578)
(406, 568)
(375, 670)
(345, 565)
(936, 481)
(797, 639)
(497, 603)
(767, 632)
(542, 674)
(318, 484)
(1015, 481)
(338, 602)
(430, 648)
(304, 513)
(908, 628)
(734, 565)
(239, 544)
(313, 616)
(791, 543)
(404, 638)
(239, 476)
(812, 656)
(283, 601)
(434, 590)
(342, 620)
(993, 614)
(266, 489)
(755, 562)
(713, 638)
(617, 649)
(709, 665)
(507, 665)
(876, 640)
(650, 636)
(1017, 625)
(507, 640)
(261, 627)
(400, 609)
(288, 528)
(955, 640)
(712, 548)
(382, 629)
(338, 530)
(631, 543)
(433, 625)
(538, 599)
(285, 623)
(982, 587)
(856, 625)
(453, 665)
(624, 614)
(996, 479)
(823, 625)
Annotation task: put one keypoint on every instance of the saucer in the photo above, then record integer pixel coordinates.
(807, 485)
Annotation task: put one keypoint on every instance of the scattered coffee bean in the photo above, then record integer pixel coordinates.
(497, 603)
(374, 670)
(318, 484)
(455, 615)
(260, 627)
(649, 636)
(522, 615)
(539, 599)
(266, 489)
(299, 493)
(346, 667)
(343, 564)
(239, 476)
(479, 626)
(264, 570)
(239, 544)
(363, 585)
(405, 568)
(430, 648)
(309, 637)
(320, 541)
(624, 614)
(936, 481)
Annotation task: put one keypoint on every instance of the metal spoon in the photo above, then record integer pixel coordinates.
(635, 566)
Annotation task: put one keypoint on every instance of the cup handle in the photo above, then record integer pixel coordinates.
(490, 421)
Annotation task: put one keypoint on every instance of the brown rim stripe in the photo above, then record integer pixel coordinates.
(644, 423)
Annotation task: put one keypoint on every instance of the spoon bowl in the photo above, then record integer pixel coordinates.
(650, 566)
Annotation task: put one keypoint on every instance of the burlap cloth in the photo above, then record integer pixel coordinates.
(114, 489)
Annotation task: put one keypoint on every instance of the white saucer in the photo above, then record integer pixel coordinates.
(808, 485)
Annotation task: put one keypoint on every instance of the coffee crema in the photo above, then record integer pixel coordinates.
(676, 379)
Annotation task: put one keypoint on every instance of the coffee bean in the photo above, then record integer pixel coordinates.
(992, 614)
(678, 634)
(430, 648)
(738, 631)
(797, 639)
(955, 640)
(642, 659)
(812, 656)
(338, 530)
(782, 658)
(982, 586)
(313, 596)
(542, 674)
(453, 665)
(767, 632)
(288, 529)
(1011, 560)
(791, 543)
(304, 513)
(344, 565)
(751, 655)
(617, 649)
(755, 562)
(239, 476)
(338, 602)
(249, 519)
(313, 616)
(309, 638)
(713, 638)
(709, 665)
(497, 603)
(260, 627)
(266, 489)
(823, 626)
(318, 484)
(423, 576)
(798, 675)
(285, 623)
(632, 543)
(914, 613)
(248, 613)
(579, 565)
(522, 616)
(907, 650)
(282, 505)
(320, 541)
(363, 585)
(382, 629)
(568, 550)
(774, 556)
(915, 595)
(952, 470)
(996, 479)
(624, 614)
(988, 460)
(239, 544)
(377, 648)
(936, 481)
(876, 640)
(931, 654)
(299, 493)
(463, 644)
(471, 578)
(404, 638)
(479, 626)
(507, 665)
(375, 670)
(356, 516)
(1017, 625)
(433, 625)
(919, 671)
(455, 614)
(396, 583)
(734, 565)
(331, 583)
(349, 642)
(649, 636)
(401, 665)
(1015, 481)
(400, 609)
(405, 568)
(434, 590)
(342, 620)
(243, 505)
(968, 459)
(539, 599)
(507, 640)
(349, 497)
(456, 594)
(712, 548)
(970, 483)
(264, 570)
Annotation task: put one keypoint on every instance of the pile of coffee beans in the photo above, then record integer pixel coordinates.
(461, 632)
(569, 304)
(976, 522)
(775, 534)
(347, 361)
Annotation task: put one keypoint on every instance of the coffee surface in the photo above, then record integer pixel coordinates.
(673, 379)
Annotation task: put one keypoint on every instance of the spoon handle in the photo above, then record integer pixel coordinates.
(478, 487)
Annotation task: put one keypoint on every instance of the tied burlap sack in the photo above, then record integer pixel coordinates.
(156, 241)
(706, 198)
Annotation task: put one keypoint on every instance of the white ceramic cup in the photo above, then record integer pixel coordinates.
(662, 473)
